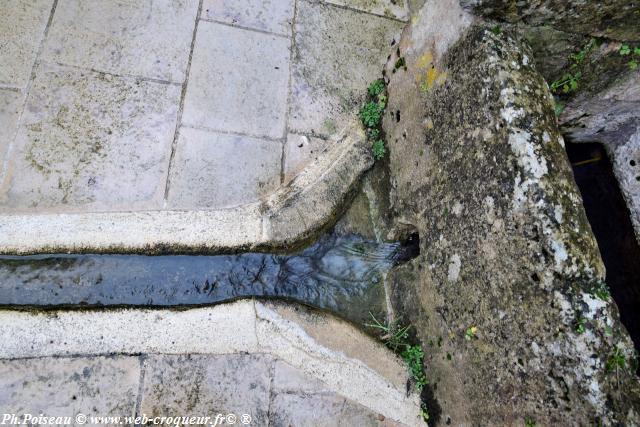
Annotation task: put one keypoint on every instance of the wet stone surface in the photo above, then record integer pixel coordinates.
(343, 274)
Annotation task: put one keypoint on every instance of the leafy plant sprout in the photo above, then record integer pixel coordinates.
(396, 337)
(371, 117)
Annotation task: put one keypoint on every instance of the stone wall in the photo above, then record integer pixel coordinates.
(508, 293)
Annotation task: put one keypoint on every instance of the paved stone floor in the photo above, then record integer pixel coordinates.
(164, 104)
(284, 365)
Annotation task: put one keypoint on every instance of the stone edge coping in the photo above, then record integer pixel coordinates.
(365, 372)
(290, 215)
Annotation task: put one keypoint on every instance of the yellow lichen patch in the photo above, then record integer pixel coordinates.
(425, 60)
(433, 75)
(428, 123)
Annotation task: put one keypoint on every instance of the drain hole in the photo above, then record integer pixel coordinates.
(611, 224)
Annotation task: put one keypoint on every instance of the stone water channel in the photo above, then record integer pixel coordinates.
(339, 273)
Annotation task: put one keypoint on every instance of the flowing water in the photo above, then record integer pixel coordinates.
(342, 274)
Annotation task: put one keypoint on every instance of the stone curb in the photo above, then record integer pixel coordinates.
(289, 216)
(366, 372)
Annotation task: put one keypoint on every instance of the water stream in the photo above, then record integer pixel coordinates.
(342, 274)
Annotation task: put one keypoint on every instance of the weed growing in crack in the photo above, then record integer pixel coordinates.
(580, 324)
(371, 114)
(569, 82)
(626, 50)
(396, 337)
(371, 117)
(376, 88)
(378, 149)
(601, 291)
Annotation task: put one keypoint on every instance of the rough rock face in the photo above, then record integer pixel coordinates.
(616, 19)
(507, 292)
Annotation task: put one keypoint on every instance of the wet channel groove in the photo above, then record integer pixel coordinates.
(341, 274)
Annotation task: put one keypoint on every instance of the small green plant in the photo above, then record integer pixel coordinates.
(558, 107)
(371, 117)
(396, 337)
(578, 58)
(580, 325)
(413, 356)
(529, 422)
(601, 291)
(625, 50)
(378, 149)
(400, 63)
(376, 88)
(470, 333)
(370, 114)
(497, 30)
(616, 360)
(567, 83)
(424, 412)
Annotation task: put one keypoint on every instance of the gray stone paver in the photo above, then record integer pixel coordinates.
(299, 150)
(213, 170)
(22, 25)
(338, 52)
(322, 410)
(236, 357)
(196, 385)
(299, 400)
(144, 38)
(10, 107)
(396, 9)
(238, 81)
(68, 386)
(91, 140)
(274, 16)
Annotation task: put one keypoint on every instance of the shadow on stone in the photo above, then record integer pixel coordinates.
(611, 224)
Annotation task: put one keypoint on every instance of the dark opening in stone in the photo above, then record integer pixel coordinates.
(611, 224)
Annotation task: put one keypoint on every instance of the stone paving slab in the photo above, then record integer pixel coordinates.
(148, 38)
(22, 26)
(300, 150)
(182, 385)
(91, 141)
(322, 410)
(68, 386)
(200, 385)
(274, 16)
(10, 107)
(213, 170)
(396, 9)
(364, 371)
(337, 53)
(238, 81)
